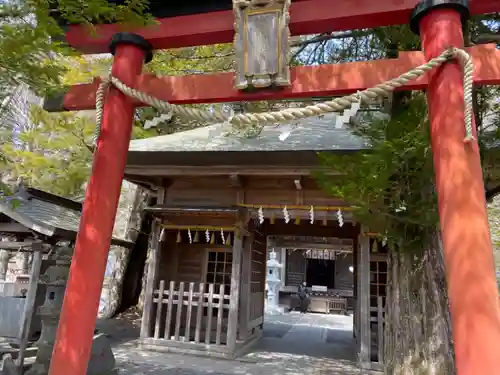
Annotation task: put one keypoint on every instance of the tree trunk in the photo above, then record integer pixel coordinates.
(418, 327)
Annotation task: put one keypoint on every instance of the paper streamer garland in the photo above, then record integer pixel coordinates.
(189, 236)
(207, 236)
(286, 215)
(261, 215)
(340, 120)
(340, 218)
(153, 123)
(311, 215)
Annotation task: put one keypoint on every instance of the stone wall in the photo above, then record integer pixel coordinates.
(127, 226)
(494, 219)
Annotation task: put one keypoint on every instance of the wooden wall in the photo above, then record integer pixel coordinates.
(257, 190)
(186, 264)
(258, 279)
(184, 261)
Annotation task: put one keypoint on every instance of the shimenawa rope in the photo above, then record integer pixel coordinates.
(290, 114)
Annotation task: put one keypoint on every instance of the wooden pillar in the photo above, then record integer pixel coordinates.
(232, 328)
(153, 266)
(363, 300)
(245, 288)
(4, 263)
(283, 269)
(29, 310)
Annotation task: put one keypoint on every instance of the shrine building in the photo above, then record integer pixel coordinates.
(222, 203)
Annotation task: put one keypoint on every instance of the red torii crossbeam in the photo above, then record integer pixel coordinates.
(306, 17)
(474, 305)
(307, 81)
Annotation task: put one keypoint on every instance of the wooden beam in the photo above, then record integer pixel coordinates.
(18, 246)
(245, 288)
(307, 81)
(363, 301)
(153, 268)
(314, 246)
(234, 302)
(222, 170)
(29, 309)
(13, 228)
(306, 17)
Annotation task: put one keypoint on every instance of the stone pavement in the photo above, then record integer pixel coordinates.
(292, 344)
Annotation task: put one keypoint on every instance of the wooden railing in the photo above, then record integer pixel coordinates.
(191, 312)
(379, 321)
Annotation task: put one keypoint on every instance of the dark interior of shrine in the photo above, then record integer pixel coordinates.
(320, 272)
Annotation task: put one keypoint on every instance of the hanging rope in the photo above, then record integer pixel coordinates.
(292, 114)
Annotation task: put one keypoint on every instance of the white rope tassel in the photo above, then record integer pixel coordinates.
(349, 113)
(311, 215)
(286, 215)
(261, 215)
(153, 123)
(222, 236)
(189, 236)
(207, 236)
(340, 218)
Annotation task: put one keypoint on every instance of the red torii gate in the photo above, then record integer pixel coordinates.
(473, 293)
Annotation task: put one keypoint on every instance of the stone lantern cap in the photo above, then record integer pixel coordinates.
(273, 263)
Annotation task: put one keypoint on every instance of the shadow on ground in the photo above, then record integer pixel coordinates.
(291, 345)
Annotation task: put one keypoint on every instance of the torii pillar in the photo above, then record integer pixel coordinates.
(468, 255)
(81, 301)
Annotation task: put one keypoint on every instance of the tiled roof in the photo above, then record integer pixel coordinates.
(46, 216)
(311, 134)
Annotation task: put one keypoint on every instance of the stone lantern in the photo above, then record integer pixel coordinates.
(273, 282)
(56, 272)
(54, 279)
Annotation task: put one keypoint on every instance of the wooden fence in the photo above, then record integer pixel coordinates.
(191, 312)
(378, 335)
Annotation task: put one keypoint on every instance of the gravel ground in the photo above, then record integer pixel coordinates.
(292, 344)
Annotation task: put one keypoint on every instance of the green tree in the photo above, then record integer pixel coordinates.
(391, 187)
(31, 57)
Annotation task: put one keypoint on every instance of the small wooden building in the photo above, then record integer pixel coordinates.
(33, 225)
(219, 199)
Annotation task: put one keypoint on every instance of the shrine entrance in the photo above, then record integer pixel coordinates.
(210, 288)
(326, 265)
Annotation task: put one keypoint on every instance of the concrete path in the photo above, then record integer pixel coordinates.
(293, 344)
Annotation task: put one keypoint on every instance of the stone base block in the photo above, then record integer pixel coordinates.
(102, 361)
